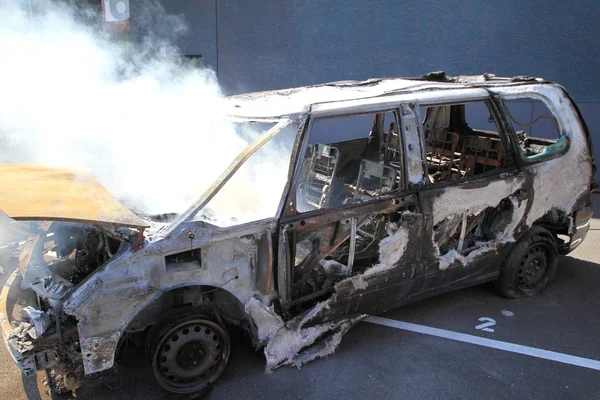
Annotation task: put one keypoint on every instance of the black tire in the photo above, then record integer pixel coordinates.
(529, 267)
(187, 350)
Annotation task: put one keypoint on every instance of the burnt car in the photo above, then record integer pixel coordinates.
(397, 190)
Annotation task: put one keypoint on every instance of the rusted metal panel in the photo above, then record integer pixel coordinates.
(324, 217)
(264, 279)
(54, 194)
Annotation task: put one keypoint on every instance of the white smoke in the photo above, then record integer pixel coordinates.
(146, 124)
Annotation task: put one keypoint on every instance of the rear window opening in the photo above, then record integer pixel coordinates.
(536, 128)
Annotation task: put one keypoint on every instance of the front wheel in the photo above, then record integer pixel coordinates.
(529, 266)
(188, 351)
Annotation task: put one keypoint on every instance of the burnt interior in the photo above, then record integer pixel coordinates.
(324, 256)
(364, 163)
(462, 140)
(454, 149)
(465, 232)
(354, 170)
(73, 250)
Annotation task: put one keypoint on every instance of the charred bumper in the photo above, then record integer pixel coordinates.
(581, 224)
(8, 297)
(29, 354)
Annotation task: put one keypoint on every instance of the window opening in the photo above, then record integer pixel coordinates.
(462, 140)
(350, 159)
(536, 128)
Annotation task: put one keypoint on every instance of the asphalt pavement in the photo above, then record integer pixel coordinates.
(377, 361)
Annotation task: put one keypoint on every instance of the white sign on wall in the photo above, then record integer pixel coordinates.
(116, 10)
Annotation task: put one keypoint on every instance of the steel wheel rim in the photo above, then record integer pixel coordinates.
(533, 267)
(190, 355)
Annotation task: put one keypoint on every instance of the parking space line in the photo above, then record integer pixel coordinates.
(494, 344)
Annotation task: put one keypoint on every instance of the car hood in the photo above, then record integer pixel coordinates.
(37, 193)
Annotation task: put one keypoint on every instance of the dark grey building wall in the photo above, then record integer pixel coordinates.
(197, 35)
(201, 19)
(267, 44)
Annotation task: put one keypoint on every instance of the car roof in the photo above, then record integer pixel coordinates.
(282, 103)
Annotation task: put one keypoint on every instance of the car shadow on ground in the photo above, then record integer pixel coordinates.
(33, 390)
(572, 269)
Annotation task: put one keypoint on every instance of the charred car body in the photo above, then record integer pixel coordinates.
(397, 189)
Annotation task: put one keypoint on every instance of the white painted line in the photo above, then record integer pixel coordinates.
(494, 344)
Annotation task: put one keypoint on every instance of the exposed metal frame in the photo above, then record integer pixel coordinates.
(233, 167)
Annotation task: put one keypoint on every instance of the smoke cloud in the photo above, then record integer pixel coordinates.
(146, 123)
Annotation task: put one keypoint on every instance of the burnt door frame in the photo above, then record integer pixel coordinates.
(344, 217)
(485, 267)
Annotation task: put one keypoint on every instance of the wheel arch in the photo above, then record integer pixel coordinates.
(202, 295)
(540, 226)
(541, 229)
(101, 350)
(555, 221)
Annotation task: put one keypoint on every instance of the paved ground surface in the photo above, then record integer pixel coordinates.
(380, 362)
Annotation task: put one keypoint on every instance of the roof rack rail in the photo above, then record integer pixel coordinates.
(436, 76)
(524, 78)
(440, 76)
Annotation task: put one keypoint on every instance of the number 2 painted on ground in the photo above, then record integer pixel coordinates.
(487, 322)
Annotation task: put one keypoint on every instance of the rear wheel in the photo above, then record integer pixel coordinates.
(530, 265)
(187, 350)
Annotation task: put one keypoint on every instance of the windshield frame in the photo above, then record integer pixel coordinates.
(230, 171)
